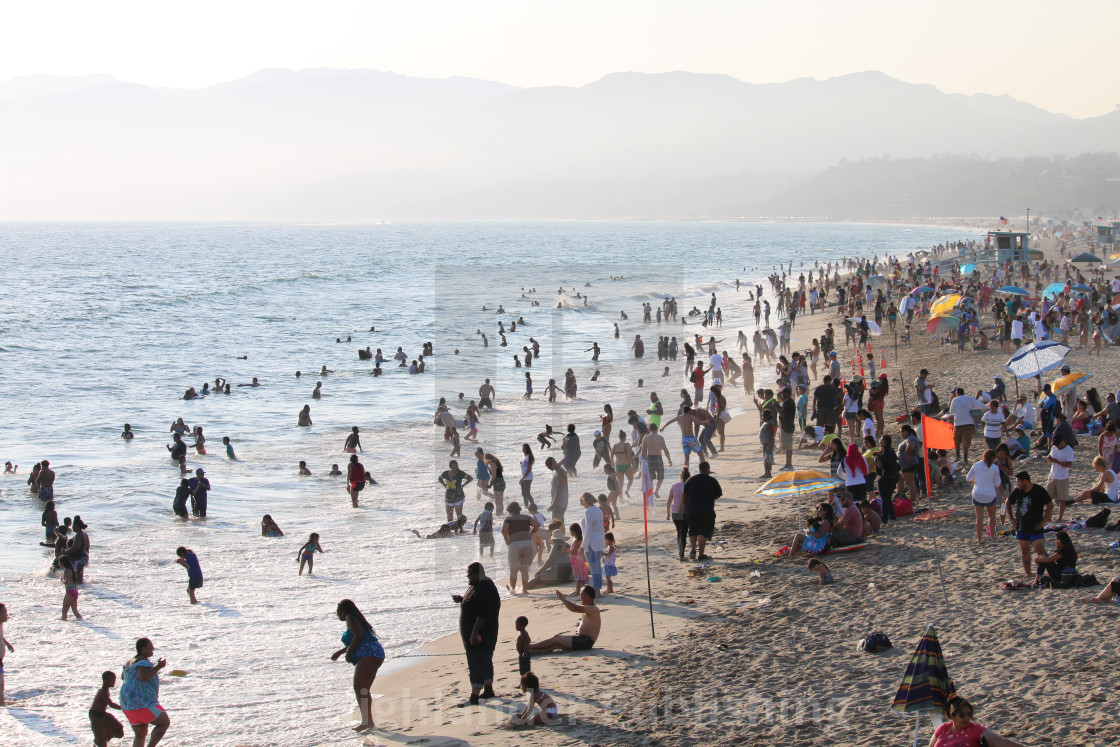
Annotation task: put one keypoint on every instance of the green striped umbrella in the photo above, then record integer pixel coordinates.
(927, 685)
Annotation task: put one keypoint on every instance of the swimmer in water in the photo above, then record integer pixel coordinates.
(254, 383)
(270, 528)
(377, 369)
(303, 470)
(229, 448)
(446, 529)
(9, 468)
(324, 371)
(306, 555)
(665, 372)
(304, 416)
(335, 471)
(298, 374)
(594, 350)
(353, 442)
(199, 440)
(317, 392)
(595, 376)
(127, 435)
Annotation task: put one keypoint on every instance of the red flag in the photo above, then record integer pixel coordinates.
(938, 434)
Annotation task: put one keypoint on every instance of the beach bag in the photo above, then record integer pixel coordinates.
(1098, 520)
(903, 507)
(875, 643)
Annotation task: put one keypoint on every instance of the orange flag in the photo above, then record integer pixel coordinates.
(938, 434)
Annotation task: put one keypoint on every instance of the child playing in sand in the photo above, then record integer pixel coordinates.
(811, 437)
(484, 528)
(104, 725)
(70, 598)
(3, 645)
(445, 530)
(610, 560)
(189, 560)
(904, 338)
(538, 698)
(824, 575)
(580, 571)
(524, 658)
(307, 554)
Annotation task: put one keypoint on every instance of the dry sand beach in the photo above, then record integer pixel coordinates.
(765, 656)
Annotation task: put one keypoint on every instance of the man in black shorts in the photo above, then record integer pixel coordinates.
(824, 403)
(700, 495)
(589, 625)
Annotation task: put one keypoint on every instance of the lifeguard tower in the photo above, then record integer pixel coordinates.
(1010, 246)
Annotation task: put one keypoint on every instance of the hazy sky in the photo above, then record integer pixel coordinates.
(1062, 56)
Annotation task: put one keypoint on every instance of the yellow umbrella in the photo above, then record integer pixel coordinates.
(1067, 382)
(945, 304)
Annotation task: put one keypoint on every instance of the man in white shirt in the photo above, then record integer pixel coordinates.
(960, 415)
(593, 538)
(1017, 332)
(717, 369)
(1061, 459)
(1023, 416)
(993, 420)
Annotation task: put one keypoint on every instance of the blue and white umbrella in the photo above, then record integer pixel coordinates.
(1014, 290)
(1037, 358)
(968, 269)
(1082, 287)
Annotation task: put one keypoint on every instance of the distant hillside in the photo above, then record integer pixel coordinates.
(957, 185)
(357, 144)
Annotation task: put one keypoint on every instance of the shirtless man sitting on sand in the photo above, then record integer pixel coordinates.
(588, 627)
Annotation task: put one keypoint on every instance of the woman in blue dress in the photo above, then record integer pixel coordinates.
(364, 651)
(140, 695)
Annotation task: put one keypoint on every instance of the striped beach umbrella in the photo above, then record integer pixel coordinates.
(799, 482)
(945, 304)
(943, 323)
(926, 686)
(922, 289)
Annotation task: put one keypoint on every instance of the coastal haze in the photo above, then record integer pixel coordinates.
(333, 144)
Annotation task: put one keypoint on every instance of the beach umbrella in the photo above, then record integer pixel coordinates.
(1086, 257)
(1065, 383)
(926, 686)
(799, 482)
(872, 327)
(1013, 290)
(1053, 290)
(945, 304)
(940, 324)
(1037, 358)
(922, 289)
(968, 269)
(1083, 288)
(876, 281)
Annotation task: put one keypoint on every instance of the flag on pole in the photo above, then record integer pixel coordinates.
(937, 434)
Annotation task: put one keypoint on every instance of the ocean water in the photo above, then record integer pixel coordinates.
(102, 324)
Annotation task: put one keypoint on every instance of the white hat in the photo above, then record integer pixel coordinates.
(997, 376)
